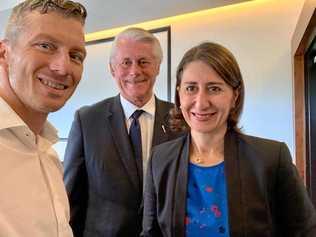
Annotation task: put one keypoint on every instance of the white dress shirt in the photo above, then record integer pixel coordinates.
(33, 200)
(146, 120)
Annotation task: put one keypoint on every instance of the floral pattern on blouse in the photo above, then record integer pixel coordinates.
(206, 210)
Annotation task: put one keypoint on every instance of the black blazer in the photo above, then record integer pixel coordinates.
(266, 197)
(100, 172)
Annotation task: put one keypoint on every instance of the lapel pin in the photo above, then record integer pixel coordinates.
(163, 128)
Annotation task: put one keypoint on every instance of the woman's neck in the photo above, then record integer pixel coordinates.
(207, 149)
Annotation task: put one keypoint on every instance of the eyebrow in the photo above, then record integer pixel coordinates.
(208, 83)
(56, 41)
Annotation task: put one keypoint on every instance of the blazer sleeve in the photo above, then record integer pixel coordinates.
(297, 213)
(75, 177)
(150, 223)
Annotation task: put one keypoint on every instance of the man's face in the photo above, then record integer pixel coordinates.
(135, 68)
(45, 61)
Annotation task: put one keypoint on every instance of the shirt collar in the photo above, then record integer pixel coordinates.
(130, 108)
(10, 119)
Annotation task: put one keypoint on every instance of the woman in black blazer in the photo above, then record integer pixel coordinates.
(216, 181)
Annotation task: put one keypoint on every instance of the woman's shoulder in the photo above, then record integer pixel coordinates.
(171, 145)
(260, 141)
(262, 146)
(169, 150)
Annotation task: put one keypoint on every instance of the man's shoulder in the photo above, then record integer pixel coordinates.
(164, 103)
(163, 106)
(100, 106)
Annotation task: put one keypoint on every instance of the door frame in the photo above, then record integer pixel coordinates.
(303, 35)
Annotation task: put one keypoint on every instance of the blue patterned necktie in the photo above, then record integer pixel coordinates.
(136, 141)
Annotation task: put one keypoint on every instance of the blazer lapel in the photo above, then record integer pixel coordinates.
(180, 192)
(160, 134)
(120, 137)
(234, 185)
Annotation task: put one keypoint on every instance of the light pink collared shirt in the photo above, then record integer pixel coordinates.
(33, 200)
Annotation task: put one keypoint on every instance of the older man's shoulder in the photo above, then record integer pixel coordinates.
(102, 105)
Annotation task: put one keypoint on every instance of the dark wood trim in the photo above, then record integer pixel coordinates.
(299, 115)
(299, 95)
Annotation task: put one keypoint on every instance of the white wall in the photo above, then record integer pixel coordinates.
(259, 34)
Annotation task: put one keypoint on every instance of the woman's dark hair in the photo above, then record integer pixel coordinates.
(224, 63)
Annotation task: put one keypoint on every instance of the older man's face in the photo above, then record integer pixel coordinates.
(135, 68)
(45, 62)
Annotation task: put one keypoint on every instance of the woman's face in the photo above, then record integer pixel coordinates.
(205, 98)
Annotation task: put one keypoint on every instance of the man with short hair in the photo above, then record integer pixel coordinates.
(41, 62)
(104, 165)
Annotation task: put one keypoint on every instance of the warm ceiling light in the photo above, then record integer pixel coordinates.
(154, 24)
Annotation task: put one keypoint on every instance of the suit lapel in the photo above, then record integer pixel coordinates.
(180, 191)
(234, 185)
(118, 130)
(160, 125)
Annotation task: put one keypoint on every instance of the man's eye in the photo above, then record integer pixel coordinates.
(144, 62)
(45, 46)
(77, 57)
(126, 63)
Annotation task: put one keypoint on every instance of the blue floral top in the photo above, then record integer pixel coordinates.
(206, 210)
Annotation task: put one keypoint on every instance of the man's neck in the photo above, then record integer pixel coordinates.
(140, 102)
(34, 120)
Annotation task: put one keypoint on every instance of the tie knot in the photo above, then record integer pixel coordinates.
(137, 113)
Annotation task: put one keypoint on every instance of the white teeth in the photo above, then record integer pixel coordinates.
(51, 84)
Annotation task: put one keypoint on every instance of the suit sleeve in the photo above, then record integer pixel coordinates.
(150, 222)
(75, 177)
(297, 214)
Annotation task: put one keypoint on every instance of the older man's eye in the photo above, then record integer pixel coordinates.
(144, 63)
(126, 63)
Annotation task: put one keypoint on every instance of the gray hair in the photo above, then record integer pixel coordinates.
(140, 35)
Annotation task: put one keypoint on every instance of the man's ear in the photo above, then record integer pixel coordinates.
(4, 48)
(111, 69)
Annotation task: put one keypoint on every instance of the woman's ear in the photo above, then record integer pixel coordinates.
(236, 95)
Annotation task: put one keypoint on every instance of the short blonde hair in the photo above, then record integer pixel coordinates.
(65, 8)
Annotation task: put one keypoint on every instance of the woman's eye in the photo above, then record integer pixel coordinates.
(214, 89)
(190, 89)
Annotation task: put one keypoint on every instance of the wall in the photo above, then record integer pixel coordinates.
(259, 34)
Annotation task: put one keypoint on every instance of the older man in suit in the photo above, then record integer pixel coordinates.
(103, 164)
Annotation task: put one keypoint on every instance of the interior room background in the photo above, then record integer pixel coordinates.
(258, 33)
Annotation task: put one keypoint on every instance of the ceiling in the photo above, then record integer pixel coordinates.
(115, 13)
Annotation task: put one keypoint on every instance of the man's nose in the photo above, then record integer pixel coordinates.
(135, 69)
(60, 64)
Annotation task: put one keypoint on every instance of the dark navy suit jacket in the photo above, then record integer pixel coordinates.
(101, 177)
(266, 197)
